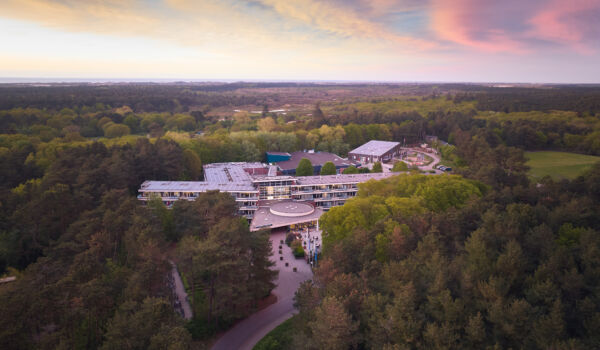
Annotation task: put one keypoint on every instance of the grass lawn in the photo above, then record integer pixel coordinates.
(558, 164)
(279, 338)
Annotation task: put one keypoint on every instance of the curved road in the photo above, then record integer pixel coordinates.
(248, 332)
(436, 160)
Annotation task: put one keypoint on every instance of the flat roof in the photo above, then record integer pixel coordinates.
(229, 172)
(264, 218)
(375, 148)
(265, 178)
(278, 153)
(317, 158)
(195, 186)
(342, 178)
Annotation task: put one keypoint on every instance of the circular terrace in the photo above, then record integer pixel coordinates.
(291, 209)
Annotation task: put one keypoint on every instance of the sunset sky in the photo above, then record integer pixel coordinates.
(352, 40)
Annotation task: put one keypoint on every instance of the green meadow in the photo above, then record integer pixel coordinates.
(558, 164)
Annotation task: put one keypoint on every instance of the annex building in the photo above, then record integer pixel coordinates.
(375, 151)
(288, 162)
(267, 199)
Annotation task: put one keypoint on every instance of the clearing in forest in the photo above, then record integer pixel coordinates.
(558, 164)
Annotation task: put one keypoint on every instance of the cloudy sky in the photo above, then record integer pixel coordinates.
(355, 40)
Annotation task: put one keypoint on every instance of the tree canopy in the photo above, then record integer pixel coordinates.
(328, 169)
(350, 170)
(400, 166)
(377, 168)
(305, 168)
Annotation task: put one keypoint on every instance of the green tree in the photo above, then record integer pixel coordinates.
(305, 168)
(351, 170)
(400, 166)
(116, 130)
(132, 122)
(377, 168)
(328, 169)
(332, 327)
(150, 325)
(192, 164)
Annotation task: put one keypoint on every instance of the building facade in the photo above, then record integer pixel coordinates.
(375, 151)
(254, 186)
(317, 159)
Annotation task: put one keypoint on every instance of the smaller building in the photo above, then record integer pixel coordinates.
(274, 157)
(317, 159)
(375, 151)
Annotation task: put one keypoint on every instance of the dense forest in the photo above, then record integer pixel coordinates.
(485, 258)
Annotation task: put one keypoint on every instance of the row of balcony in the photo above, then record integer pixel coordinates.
(305, 189)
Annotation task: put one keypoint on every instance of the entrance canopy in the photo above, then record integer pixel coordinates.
(285, 213)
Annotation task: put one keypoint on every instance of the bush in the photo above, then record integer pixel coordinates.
(297, 249)
(400, 166)
(200, 329)
(116, 130)
(289, 239)
(350, 170)
(377, 168)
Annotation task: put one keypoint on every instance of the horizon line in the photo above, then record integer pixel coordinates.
(62, 80)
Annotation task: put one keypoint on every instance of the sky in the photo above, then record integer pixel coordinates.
(538, 41)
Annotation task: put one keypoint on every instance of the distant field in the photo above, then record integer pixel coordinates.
(558, 164)
(400, 105)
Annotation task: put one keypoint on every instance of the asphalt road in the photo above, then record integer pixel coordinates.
(248, 332)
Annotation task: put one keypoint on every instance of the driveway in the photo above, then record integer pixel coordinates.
(248, 332)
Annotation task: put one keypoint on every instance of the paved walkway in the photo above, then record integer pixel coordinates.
(248, 332)
(183, 303)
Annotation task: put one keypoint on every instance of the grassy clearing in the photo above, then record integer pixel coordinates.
(279, 338)
(559, 165)
(420, 105)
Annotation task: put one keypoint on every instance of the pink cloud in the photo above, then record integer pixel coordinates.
(574, 23)
(516, 26)
(474, 23)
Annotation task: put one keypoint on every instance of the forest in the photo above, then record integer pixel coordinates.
(484, 258)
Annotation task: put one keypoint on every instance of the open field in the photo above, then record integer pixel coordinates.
(558, 164)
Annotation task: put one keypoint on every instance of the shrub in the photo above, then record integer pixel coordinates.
(297, 249)
(377, 168)
(400, 166)
(289, 239)
(350, 170)
(116, 130)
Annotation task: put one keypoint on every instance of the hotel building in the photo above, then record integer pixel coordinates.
(257, 188)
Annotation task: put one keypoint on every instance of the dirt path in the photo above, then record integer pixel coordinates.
(248, 332)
